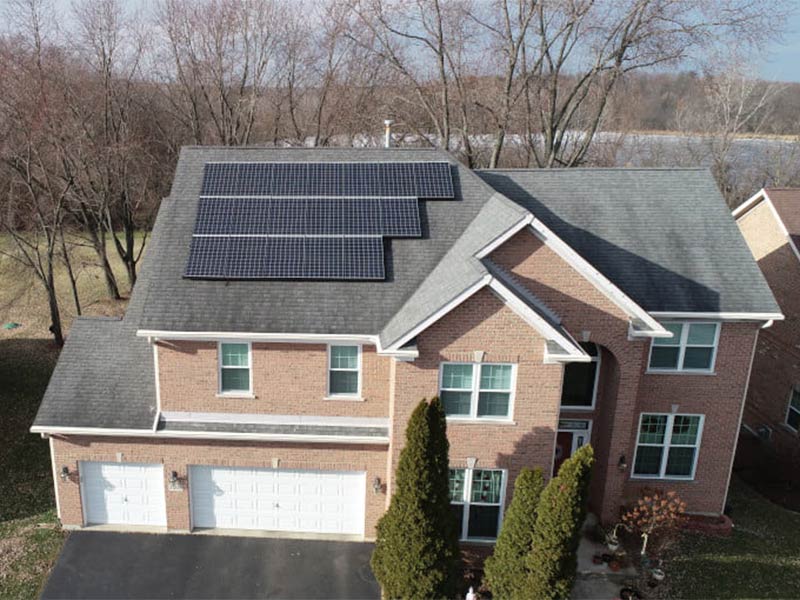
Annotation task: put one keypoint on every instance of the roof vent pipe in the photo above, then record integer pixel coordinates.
(387, 133)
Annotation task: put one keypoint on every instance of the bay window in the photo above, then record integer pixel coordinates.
(476, 390)
(667, 446)
(476, 499)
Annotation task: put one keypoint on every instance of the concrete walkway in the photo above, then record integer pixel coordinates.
(598, 582)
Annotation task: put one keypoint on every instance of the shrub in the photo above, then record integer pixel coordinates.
(656, 516)
(416, 551)
(506, 571)
(552, 562)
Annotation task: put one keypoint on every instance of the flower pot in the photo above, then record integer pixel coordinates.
(613, 546)
(614, 566)
(657, 574)
(597, 559)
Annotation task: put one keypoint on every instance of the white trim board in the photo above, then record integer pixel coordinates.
(718, 316)
(210, 435)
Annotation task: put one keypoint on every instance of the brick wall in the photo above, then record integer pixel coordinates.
(288, 379)
(177, 455)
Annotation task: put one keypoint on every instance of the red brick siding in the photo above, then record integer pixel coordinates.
(776, 367)
(484, 324)
(177, 455)
(288, 379)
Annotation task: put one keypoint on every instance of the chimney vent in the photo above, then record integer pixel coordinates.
(387, 133)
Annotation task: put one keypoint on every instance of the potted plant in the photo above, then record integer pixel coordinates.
(612, 540)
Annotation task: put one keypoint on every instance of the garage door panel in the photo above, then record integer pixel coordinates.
(123, 493)
(278, 500)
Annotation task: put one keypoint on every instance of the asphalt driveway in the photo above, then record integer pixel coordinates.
(99, 564)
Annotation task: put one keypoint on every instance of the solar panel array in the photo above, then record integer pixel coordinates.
(308, 220)
(293, 257)
(335, 180)
(390, 217)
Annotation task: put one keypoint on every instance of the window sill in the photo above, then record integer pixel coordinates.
(236, 395)
(666, 372)
(479, 541)
(655, 478)
(470, 421)
(577, 408)
(788, 428)
(345, 398)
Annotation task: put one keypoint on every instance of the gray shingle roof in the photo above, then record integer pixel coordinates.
(663, 236)
(379, 433)
(327, 307)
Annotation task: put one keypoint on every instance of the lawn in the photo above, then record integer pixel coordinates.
(760, 560)
(29, 534)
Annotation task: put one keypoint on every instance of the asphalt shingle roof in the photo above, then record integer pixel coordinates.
(663, 236)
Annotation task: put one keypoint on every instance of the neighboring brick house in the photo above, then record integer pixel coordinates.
(770, 224)
(547, 308)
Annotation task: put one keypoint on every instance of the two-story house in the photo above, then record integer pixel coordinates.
(295, 305)
(770, 224)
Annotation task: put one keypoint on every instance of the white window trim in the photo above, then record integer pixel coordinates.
(791, 408)
(682, 350)
(466, 503)
(235, 393)
(330, 395)
(667, 444)
(476, 383)
(594, 359)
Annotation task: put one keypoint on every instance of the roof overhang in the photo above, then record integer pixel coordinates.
(719, 316)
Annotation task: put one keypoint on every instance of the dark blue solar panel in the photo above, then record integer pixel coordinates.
(391, 217)
(403, 179)
(286, 258)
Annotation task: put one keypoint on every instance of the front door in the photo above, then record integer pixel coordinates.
(572, 434)
(563, 449)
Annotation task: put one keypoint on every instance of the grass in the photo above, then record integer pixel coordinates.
(30, 538)
(760, 560)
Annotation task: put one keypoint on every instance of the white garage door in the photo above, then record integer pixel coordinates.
(123, 493)
(278, 499)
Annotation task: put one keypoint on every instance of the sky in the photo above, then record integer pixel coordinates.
(783, 58)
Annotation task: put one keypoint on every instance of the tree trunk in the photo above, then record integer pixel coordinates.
(52, 300)
(71, 273)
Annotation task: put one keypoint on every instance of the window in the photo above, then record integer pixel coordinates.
(476, 498)
(579, 389)
(793, 414)
(234, 368)
(667, 446)
(344, 371)
(692, 347)
(476, 391)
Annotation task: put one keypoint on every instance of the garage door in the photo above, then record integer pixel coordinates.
(278, 499)
(123, 494)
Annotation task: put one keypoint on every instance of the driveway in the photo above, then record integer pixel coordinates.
(99, 564)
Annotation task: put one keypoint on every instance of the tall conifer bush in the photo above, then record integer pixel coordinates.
(506, 570)
(552, 562)
(416, 551)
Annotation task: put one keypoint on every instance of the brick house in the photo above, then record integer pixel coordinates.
(770, 224)
(272, 351)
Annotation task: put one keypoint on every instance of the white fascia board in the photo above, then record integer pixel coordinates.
(210, 435)
(719, 316)
(748, 204)
(600, 281)
(505, 236)
(423, 325)
(535, 320)
(288, 338)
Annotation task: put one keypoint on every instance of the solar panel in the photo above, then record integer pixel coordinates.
(388, 179)
(391, 217)
(353, 258)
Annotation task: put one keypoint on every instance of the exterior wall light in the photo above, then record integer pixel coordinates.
(376, 485)
(64, 474)
(173, 477)
(622, 464)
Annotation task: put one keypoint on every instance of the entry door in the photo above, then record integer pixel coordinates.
(123, 493)
(278, 499)
(563, 449)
